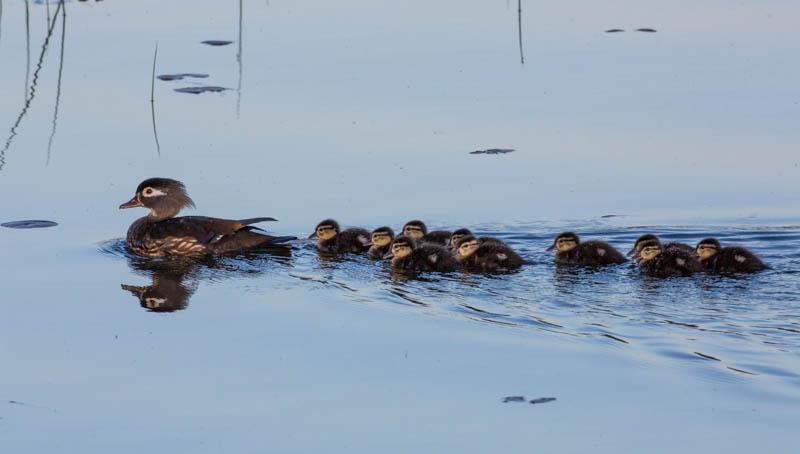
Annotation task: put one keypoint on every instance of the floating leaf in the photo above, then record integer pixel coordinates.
(32, 224)
(614, 30)
(542, 400)
(646, 30)
(514, 399)
(216, 42)
(181, 76)
(198, 90)
(493, 151)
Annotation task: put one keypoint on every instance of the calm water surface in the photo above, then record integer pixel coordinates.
(367, 112)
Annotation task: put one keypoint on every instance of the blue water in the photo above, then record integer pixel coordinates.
(367, 112)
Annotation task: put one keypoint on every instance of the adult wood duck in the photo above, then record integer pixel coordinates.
(161, 234)
(570, 251)
(730, 259)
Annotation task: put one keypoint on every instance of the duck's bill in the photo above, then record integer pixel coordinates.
(551, 248)
(630, 253)
(312, 236)
(132, 203)
(389, 256)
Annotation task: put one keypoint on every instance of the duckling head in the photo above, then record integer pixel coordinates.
(637, 246)
(708, 248)
(402, 246)
(565, 242)
(415, 229)
(164, 198)
(650, 249)
(456, 236)
(382, 236)
(326, 230)
(467, 246)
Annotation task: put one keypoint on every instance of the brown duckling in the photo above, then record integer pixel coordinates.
(418, 230)
(458, 236)
(409, 254)
(382, 238)
(161, 233)
(659, 261)
(637, 246)
(489, 256)
(332, 239)
(730, 259)
(572, 252)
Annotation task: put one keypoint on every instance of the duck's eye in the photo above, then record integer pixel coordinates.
(148, 191)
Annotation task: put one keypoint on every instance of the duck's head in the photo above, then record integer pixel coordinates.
(467, 246)
(415, 229)
(649, 249)
(637, 246)
(707, 248)
(565, 242)
(382, 236)
(164, 198)
(402, 246)
(456, 236)
(326, 230)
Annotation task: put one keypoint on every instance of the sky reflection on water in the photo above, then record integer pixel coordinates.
(367, 112)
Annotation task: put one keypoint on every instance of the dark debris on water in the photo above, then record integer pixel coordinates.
(493, 151)
(181, 76)
(646, 30)
(615, 30)
(539, 400)
(198, 90)
(216, 42)
(32, 224)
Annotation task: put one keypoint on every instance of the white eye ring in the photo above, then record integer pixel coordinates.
(151, 192)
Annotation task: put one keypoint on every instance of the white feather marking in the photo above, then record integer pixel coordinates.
(601, 252)
(433, 258)
(680, 262)
(739, 258)
(501, 256)
(154, 192)
(363, 240)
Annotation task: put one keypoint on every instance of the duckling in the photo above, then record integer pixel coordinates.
(382, 238)
(572, 251)
(333, 239)
(658, 261)
(730, 259)
(489, 256)
(456, 236)
(418, 230)
(161, 233)
(637, 246)
(407, 254)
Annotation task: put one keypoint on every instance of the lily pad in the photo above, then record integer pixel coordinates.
(32, 224)
(198, 90)
(493, 151)
(216, 42)
(181, 76)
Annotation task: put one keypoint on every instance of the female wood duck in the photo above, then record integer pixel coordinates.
(731, 259)
(161, 233)
(637, 246)
(382, 238)
(489, 256)
(419, 231)
(591, 253)
(410, 255)
(658, 261)
(333, 240)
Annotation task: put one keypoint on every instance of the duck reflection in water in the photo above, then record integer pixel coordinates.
(175, 280)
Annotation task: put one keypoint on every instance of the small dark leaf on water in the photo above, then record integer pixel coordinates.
(29, 224)
(607, 216)
(543, 400)
(198, 90)
(181, 76)
(493, 151)
(514, 399)
(614, 30)
(216, 42)
(647, 30)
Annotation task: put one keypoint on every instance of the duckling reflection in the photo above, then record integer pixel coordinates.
(167, 293)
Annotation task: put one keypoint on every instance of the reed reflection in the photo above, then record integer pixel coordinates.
(30, 94)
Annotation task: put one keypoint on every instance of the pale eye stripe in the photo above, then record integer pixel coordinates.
(156, 192)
